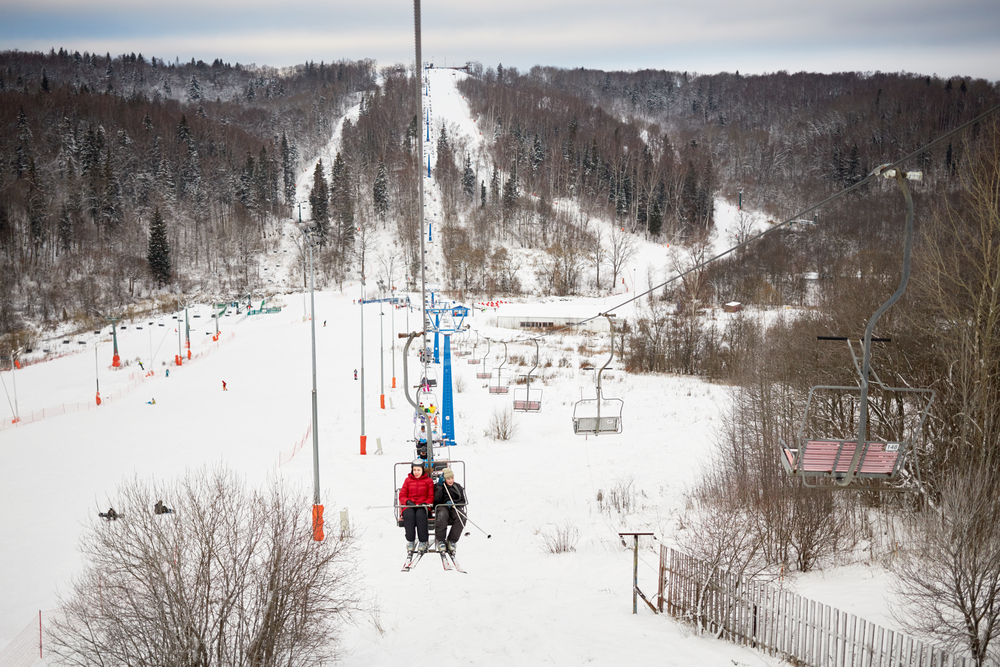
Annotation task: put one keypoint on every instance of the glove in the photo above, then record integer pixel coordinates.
(409, 503)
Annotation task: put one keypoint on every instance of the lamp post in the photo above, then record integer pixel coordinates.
(317, 511)
(381, 337)
(364, 438)
(392, 338)
(179, 356)
(97, 370)
(13, 378)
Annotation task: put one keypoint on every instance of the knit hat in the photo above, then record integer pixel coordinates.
(448, 474)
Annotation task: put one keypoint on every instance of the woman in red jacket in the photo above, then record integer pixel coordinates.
(415, 496)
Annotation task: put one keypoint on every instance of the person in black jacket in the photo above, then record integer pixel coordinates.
(450, 507)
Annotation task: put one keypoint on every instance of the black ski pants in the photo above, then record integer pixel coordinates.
(415, 518)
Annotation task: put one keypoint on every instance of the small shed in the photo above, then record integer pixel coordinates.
(733, 307)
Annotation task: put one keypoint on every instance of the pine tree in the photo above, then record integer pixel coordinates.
(380, 191)
(319, 203)
(245, 190)
(341, 202)
(194, 89)
(288, 161)
(537, 154)
(655, 219)
(158, 253)
(469, 179)
(262, 181)
(510, 192)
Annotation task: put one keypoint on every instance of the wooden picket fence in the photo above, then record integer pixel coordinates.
(781, 623)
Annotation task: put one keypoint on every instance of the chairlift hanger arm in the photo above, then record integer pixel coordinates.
(901, 178)
(406, 381)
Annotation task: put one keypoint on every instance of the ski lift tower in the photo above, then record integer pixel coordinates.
(447, 321)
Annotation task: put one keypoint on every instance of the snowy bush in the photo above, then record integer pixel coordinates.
(622, 498)
(501, 426)
(561, 539)
(231, 577)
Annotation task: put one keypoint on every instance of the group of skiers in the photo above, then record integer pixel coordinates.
(418, 495)
(158, 508)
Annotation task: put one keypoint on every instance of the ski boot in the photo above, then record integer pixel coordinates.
(422, 548)
(409, 548)
(440, 547)
(451, 548)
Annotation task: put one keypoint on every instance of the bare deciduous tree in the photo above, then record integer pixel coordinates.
(621, 250)
(950, 579)
(231, 577)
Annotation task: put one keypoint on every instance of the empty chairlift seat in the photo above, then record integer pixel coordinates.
(824, 458)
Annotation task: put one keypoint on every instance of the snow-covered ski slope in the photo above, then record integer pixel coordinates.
(519, 604)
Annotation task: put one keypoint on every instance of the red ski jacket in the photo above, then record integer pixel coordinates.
(419, 490)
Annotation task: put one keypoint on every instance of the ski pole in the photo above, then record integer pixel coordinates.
(461, 513)
(468, 520)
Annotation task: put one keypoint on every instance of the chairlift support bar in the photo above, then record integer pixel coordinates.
(901, 178)
(482, 375)
(582, 425)
(528, 405)
(500, 388)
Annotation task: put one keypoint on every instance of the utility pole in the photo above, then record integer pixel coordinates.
(13, 378)
(364, 438)
(317, 512)
(381, 336)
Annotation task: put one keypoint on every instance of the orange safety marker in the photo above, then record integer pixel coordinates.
(318, 523)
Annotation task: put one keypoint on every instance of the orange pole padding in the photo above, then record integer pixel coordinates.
(98, 398)
(177, 359)
(381, 398)
(393, 382)
(17, 363)
(189, 354)
(116, 361)
(318, 523)
(364, 441)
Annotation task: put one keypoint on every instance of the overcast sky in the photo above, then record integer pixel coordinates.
(943, 37)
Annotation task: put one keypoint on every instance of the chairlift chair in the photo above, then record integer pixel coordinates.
(599, 415)
(472, 359)
(528, 399)
(836, 460)
(826, 455)
(483, 374)
(435, 470)
(500, 387)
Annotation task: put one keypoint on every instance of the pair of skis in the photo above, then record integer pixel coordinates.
(448, 562)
